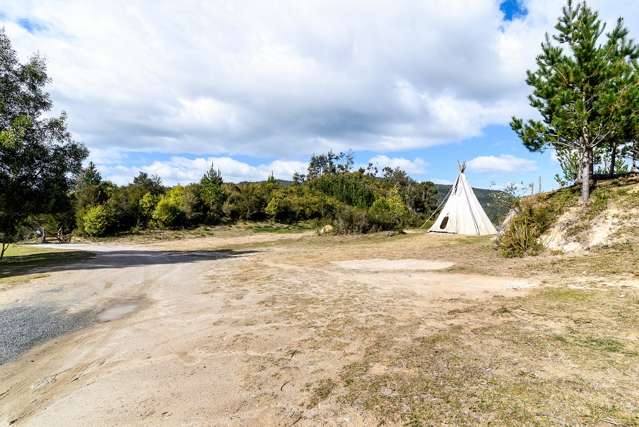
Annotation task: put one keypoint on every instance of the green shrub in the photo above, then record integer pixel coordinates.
(351, 188)
(147, 206)
(96, 220)
(388, 213)
(349, 220)
(179, 207)
(168, 212)
(247, 201)
(296, 203)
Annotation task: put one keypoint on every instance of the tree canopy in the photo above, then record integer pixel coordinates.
(38, 158)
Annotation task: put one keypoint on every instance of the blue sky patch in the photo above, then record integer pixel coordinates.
(31, 26)
(513, 9)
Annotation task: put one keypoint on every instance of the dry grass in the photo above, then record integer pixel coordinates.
(566, 353)
(557, 356)
(312, 342)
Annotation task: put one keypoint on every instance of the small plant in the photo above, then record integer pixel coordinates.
(521, 236)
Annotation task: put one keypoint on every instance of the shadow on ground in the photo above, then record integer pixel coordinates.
(81, 260)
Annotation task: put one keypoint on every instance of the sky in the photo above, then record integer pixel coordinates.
(256, 87)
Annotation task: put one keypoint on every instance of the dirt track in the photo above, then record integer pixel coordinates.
(181, 334)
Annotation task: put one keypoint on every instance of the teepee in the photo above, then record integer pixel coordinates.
(462, 213)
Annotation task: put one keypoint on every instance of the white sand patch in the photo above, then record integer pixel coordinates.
(116, 312)
(375, 264)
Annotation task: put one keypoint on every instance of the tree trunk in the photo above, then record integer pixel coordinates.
(613, 160)
(586, 174)
(4, 248)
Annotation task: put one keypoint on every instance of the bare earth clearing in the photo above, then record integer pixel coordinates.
(297, 329)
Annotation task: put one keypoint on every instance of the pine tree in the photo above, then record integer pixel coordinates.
(579, 88)
(212, 193)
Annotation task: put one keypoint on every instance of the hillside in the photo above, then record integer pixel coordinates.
(558, 222)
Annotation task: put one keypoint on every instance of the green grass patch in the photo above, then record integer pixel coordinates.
(20, 260)
(566, 295)
(605, 344)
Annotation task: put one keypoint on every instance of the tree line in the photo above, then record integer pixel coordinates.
(352, 200)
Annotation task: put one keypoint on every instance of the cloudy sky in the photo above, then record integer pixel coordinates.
(258, 86)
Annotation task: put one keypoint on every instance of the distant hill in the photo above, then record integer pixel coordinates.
(485, 198)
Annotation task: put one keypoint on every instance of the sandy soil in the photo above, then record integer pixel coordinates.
(185, 333)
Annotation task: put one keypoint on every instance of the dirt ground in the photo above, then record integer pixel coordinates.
(299, 329)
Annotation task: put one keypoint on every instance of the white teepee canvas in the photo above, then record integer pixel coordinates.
(462, 213)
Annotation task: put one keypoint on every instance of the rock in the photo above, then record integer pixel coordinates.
(327, 229)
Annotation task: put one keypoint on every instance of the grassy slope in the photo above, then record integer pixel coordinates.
(617, 199)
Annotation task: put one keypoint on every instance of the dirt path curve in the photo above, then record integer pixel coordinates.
(144, 335)
(140, 352)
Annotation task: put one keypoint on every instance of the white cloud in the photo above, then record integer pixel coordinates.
(182, 170)
(249, 78)
(502, 163)
(412, 167)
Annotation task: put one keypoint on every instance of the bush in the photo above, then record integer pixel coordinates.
(351, 220)
(521, 236)
(147, 206)
(168, 211)
(388, 213)
(292, 204)
(96, 221)
(180, 207)
(352, 188)
(248, 201)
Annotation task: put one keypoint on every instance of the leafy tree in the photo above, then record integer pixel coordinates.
(180, 206)
(329, 163)
(90, 190)
(579, 88)
(169, 210)
(248, 201)
(419, 197)
(148, 184)
(38, 158)
(147, 206)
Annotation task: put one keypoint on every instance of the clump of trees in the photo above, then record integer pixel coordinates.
(331, 192)
(586, 88)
